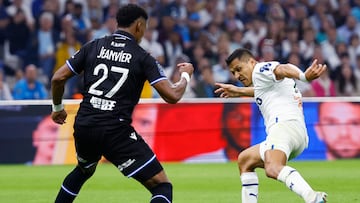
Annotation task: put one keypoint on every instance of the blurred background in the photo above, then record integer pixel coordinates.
(38, 36)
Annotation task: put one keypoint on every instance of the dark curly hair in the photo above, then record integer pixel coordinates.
(127, 14)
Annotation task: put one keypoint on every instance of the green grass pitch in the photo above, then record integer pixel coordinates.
(193, 183)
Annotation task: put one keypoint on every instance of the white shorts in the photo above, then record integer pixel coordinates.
(289, 136)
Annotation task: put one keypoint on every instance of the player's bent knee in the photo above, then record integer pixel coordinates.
(242, 158)
(88, 170)
(161, 193)
(271, 171)
(246, 163)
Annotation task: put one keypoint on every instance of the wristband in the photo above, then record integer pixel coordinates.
(302, 77)
(186, 76)
(58, 107)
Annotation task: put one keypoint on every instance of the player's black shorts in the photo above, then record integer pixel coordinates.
(121, 145)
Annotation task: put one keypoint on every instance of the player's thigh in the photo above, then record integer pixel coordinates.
(288, 137)
(126, 149)
(88, 143)
(249, 159)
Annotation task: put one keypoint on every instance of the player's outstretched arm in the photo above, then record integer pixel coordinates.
(314, 71)
(228, 90)
(170, 92)
(292, 71)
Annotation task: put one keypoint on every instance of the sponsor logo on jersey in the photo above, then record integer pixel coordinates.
(102, 104)
(126, 164)
(117, 44)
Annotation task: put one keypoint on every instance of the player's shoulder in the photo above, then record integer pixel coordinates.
(262, 67)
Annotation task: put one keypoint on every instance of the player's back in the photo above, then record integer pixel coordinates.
(115, 69)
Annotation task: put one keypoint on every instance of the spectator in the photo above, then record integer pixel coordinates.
(4, 21)
(18, 37)
(235, 39)
(172, 48)
(307, 45)
(98, 28)
(324, 86)
(65, 49)
(30, 87)
(5, 93)
(292, 37)
(231, 19)
(174, 76)
(151, 45)
(353, 48)
(257, 31)
(19, 6)
(207, 12)
(349, 28)
(346, 82)
(328, 47)
(52, 7)
(220, 70)
(332, 22)
(80, 23)
(205, 83)
(357, 68)
(44, 41)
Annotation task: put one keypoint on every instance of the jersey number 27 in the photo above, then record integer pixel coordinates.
(124, 74)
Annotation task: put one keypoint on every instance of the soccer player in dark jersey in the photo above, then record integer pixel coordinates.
(115, 69)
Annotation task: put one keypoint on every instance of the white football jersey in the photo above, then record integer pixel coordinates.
(275, 98)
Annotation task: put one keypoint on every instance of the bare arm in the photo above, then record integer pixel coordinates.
(57, 88)
(291, 71)
(228, 90)
(170, 92)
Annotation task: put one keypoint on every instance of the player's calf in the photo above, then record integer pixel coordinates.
(73, 183)
(162, 193)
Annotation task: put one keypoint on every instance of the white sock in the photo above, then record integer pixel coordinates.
(295, 182)
(250, 187)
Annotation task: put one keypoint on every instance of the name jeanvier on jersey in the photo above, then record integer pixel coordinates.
(110, 54)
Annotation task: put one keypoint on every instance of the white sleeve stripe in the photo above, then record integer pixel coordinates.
(141, 167)
(155, 81)
(71, 68)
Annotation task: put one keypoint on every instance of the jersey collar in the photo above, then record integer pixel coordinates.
(124, 34)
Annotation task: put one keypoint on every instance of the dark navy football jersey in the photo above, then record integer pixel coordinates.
(115, 69)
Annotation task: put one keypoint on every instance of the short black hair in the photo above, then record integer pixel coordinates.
(240, 53)
(127, 14)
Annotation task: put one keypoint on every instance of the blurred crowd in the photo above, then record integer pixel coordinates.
(37, 36)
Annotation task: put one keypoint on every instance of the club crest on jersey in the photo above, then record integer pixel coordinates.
(265, 67)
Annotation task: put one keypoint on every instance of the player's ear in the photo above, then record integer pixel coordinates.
(138, 26)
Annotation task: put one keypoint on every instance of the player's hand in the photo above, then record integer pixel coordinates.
(226, 90)
(59, 117)
(186, 67)
(315, 70)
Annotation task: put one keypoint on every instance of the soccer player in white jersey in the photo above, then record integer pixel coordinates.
(273, 87)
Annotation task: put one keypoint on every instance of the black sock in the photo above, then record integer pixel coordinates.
(71, 186)
(161, 193)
